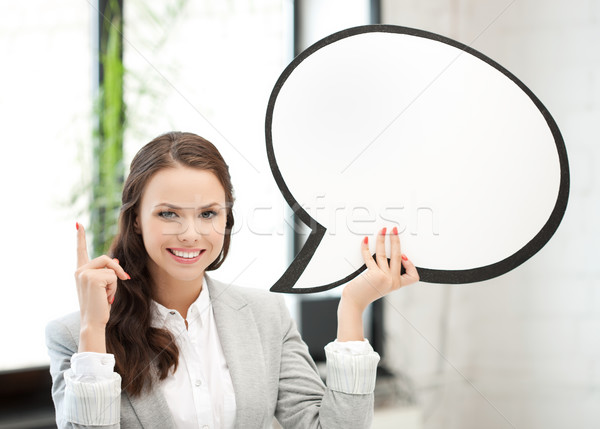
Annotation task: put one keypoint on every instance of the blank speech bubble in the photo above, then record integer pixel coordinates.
(390, 126)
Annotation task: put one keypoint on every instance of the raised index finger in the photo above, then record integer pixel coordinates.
(82, 254)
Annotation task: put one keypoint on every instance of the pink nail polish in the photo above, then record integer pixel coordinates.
(77, 225)
(128, 276)
(112, 300)
(404, 257)
(395, 231)
(383, 231)
(366, 240)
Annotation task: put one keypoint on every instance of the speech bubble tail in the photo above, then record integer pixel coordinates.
(286, 282)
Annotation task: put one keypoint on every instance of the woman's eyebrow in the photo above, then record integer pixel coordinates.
(174, 207)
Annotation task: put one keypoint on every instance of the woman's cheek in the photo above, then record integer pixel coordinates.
(220, 227)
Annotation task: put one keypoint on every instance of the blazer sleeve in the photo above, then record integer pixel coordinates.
(79, 403)
(305, 402)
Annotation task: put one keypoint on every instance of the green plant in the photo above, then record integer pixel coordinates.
(108, 169)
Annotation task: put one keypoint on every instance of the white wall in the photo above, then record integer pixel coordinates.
(522, 350)
(45, 111)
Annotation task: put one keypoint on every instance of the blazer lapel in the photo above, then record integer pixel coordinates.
(151, 408)
(241, 345)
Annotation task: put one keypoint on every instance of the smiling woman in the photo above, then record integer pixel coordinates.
(157, 340)
(187, 170)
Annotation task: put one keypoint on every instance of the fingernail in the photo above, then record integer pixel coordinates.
(112, 300)
(395, 231)
(404, 257)
(383, 231)
(366, 240)
(116, 260)
(128, 277)
(77, 225)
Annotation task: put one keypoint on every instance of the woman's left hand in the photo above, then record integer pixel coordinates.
(381, 276)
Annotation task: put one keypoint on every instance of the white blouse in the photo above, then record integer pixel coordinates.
(202, 369)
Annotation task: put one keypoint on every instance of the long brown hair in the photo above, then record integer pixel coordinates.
(140, 349)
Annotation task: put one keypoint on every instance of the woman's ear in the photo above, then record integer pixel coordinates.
(136, 225)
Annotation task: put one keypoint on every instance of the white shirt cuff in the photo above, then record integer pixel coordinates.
(351, 366)
(92, 364)
(92, 390)
(351, 347)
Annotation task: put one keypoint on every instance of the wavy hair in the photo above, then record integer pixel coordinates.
(141, 351)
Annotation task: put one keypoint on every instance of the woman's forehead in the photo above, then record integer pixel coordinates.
(184, 187)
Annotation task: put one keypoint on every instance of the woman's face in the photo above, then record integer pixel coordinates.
(182, 217)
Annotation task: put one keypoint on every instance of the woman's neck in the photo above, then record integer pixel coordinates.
(177, 294)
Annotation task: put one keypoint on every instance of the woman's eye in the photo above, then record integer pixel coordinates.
(167, 215)
(208, 214)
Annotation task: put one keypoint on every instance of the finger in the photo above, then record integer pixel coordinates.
(411, 275)
(82, 254)
(111, 292)
(366, 254)
(101, 281)
(380, 256)
(111, 285)
(106, 262)
(107, 279)
(396, 256)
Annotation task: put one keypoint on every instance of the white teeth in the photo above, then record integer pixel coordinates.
(186, 255)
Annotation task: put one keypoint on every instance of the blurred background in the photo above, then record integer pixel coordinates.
(85, 84)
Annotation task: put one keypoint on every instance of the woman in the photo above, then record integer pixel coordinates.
(159, 344)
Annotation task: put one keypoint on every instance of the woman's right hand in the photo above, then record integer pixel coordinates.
(96, 287)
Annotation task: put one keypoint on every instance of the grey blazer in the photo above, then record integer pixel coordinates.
(271, 370)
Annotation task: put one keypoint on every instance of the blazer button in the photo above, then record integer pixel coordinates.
(198, 383)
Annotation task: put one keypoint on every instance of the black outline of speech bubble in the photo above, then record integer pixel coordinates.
(287, 281)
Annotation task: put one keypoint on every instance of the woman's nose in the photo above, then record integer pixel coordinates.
(190, 229)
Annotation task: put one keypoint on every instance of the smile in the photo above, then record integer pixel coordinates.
(186, 257)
